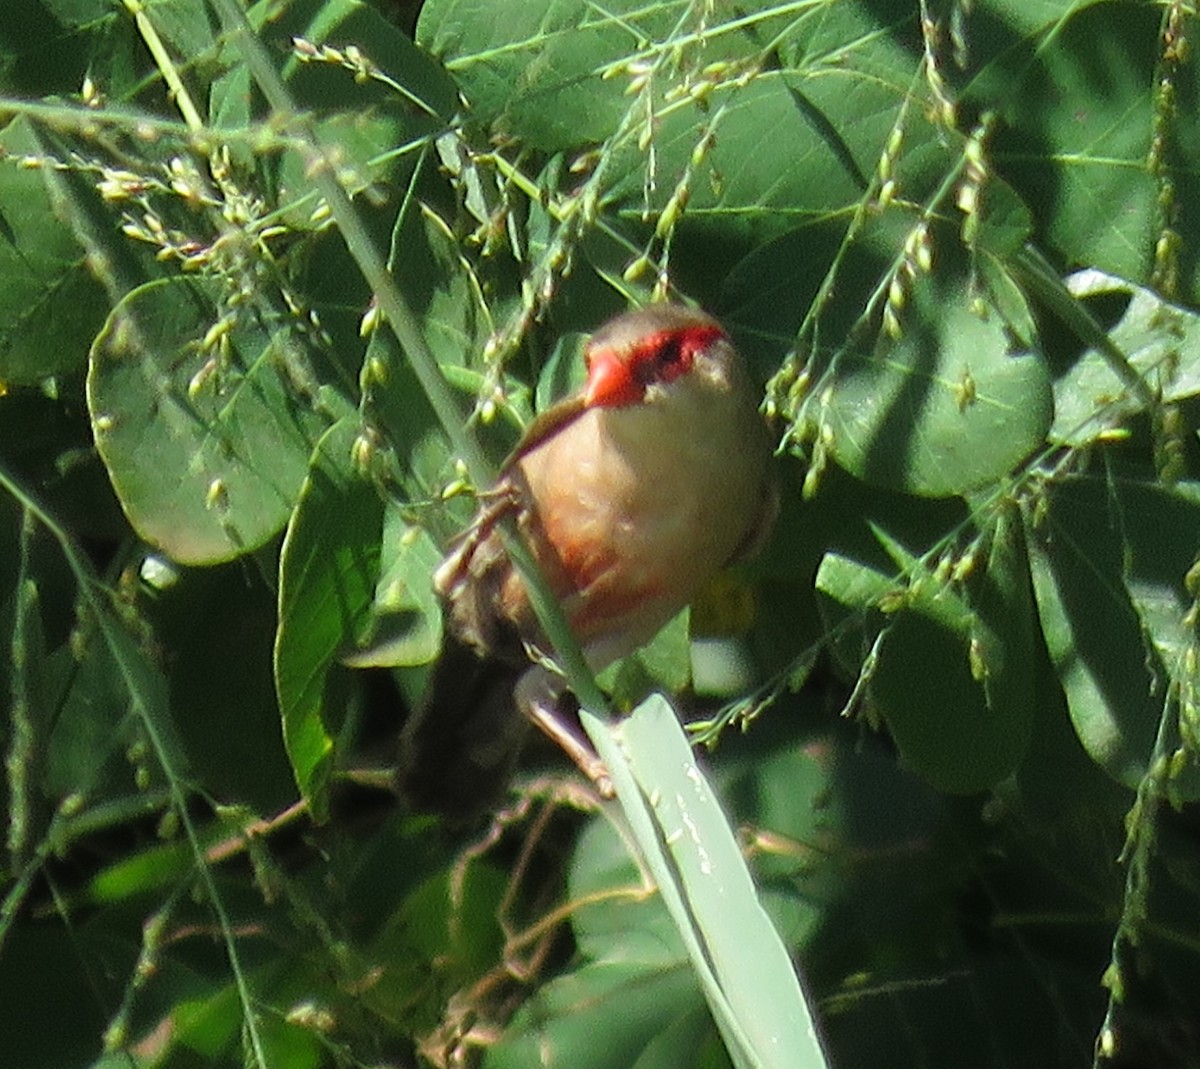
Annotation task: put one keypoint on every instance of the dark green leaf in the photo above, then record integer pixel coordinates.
(328, 571)
(1095, 542)
(229, 437)
(50, 306)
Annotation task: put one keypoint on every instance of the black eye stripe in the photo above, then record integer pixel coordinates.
(671, 350)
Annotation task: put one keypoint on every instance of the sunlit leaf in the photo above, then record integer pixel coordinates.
(946, 408)
(1161, 342)
(229, 436)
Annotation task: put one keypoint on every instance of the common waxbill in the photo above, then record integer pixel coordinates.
(631, 495)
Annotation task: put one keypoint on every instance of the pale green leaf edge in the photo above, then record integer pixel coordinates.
(690, 849)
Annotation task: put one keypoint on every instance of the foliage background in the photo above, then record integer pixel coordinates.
(958, 243)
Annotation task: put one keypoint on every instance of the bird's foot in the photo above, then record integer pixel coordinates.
(562, 729)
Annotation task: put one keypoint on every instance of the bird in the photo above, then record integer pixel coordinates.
(631, 495)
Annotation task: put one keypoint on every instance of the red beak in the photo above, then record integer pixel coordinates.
(610, 381)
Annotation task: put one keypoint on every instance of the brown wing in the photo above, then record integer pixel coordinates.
(504, 498)
(545, 424)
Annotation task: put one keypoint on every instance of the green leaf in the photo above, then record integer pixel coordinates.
(757, 1000)
(1161, 342)
(328, 570)
(406, 619)
(945, 409)
(1078, 121)
(1028, 18)
(799, 103)
(206, 447)
(619, 918)
(77, 13)
(50, 306)
(1092, 545)
(604, 1015)
(664, 664)
(401, 99)
(966, 725)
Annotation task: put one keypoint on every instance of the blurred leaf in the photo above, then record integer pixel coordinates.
(664, 663)
(604, 1015)
(444, 935)
(216, 628)
(328, 570)
(619, 917)
(77, 13)
(564, 372)
(1032, 17)
(186, 26)
(230, 448)
(48, 975)
(945, 409)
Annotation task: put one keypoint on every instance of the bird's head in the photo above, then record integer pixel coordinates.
(638, 352)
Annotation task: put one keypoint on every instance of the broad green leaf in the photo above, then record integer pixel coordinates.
(960, 711)
(186, 27)
(534, 69)
(602, 1016)
(448, 920)
(1030, 17)
(77, 13)
(1162, 343)
(620, 918)
(1079, 118)
(420, 89)
(945, 409)
(371, 92)
(206, 446)
(328, 571)
(663, 664)
(1092, 547)
(799, 103)
(406, 620)
(50, 306)
(114, 710)
(775, 163)
(951, 671)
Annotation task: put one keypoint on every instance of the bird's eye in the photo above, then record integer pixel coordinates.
(670, 351)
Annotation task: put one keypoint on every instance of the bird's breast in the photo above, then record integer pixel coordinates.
(632, 513)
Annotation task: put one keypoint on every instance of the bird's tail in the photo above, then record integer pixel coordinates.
(459, 748)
